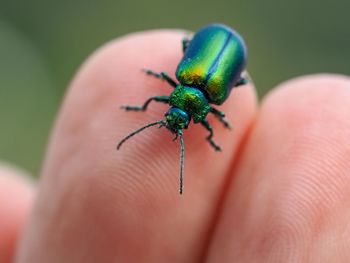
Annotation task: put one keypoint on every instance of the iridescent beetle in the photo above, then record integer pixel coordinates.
(212, 65)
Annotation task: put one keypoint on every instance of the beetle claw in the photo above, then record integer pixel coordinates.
(226, 123)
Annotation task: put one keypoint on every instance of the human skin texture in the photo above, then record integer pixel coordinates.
(16, 199)
(279, 191)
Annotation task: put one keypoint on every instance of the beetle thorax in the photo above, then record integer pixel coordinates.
(191, 100)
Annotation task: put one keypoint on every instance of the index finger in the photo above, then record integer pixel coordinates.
(108, 204)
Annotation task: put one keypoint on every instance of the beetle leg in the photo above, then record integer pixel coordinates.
(206, 124)
(185, 44)
(164, 99)
(176, 135)
(241, 81)
(221, 117)
(161, 75)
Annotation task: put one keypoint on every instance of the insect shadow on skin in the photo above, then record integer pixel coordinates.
(212, 65)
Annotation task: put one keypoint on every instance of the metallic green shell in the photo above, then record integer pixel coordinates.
(191, 100)
(213, 62)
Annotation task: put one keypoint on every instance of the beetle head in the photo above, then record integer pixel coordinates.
(176, 119)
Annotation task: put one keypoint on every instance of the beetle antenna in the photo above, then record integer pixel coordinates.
(161, 123)
(181, 161)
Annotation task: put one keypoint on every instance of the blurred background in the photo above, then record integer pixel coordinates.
(43, 42)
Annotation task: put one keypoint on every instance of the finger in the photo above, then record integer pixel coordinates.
(16, 196)
(125, 205)
(290, 198)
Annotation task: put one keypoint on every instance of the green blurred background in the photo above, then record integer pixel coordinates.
(42, 43)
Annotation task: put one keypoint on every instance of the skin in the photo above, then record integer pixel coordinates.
(16, 199)
(279, 191)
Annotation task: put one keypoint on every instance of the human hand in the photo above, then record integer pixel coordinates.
(279, 191)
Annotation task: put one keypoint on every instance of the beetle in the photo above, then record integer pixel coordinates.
(213, 63)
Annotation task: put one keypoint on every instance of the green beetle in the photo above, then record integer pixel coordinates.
(213, 63)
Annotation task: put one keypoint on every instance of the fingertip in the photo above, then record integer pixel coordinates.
(16, 199)
(306, 100)
(291, 187)
(113, 77)
(115, 201)
(308, 87)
